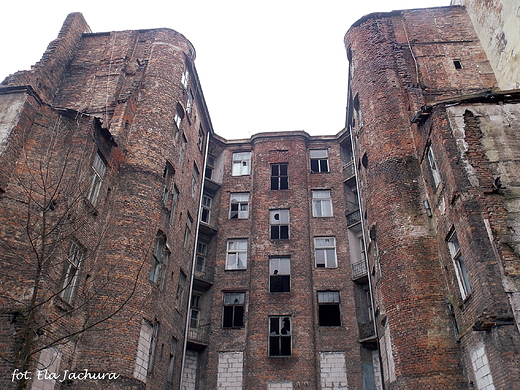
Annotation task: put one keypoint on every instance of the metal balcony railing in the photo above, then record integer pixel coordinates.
(353, 217)
(359, 270)
(348, 170)
(199, 334)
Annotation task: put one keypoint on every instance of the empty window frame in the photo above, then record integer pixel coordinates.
(460, 267)
(210, 167)
(239, 205)
(98, 171)
(321, 203)
(280, 274)
(279, 176)
(70, 276)
(175, 201)
(233, 316)
(189, 102)
(185, 77)
(194, 180)
(280, 334)
(433, 166)
(160, 258)
(181, 286)
(279, 224)
(182, 151)
(178, 117)
(195, 310)
(328, 308)
(241, 164)
(319, 160)
(200, 139)
(236, 256)
(205, 212)
(325, 252)
(187, 231)
(168, 181)
(202, 252)
(171, 364)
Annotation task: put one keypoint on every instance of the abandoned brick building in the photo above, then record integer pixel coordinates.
(141, 250)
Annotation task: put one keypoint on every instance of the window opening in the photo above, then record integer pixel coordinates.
(195, 310)
(233, 316)
(239, 207)
(280, 274)
(180, 289)
(70, 278)
(202, 250)
(321, 203)
(319, 161)
(325, 252)
(457, 64)
(171, 364)
(236, 254)
(460, 267)
(433, 166)
(328, 308)
(99, 168)
(210, 166)
(279, 221)
(241, 164)
(206, 209)
(187, 231)
(168, 179)
(159, 260)
(279, 176)
(280, 334)
(194, 181)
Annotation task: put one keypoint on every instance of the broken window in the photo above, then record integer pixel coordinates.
(280, 336)
(319, 160)
(460, 267)
(241, 164)
(160, 258)
(325, 252)
(433, 166)
(206, 209)
(279, 223)
(279, 177)
(236, 257)
(178, 117)
(171, 364)
(200, 138)
(187, 231)
(239, 207)
(185, 78)
(210, 167)
(328, 308)
(175, 200)
(321, 203)
(280, 274)
(70, 277)
(194, 180)
(189, 102)
(99, 168)
(180, 290)
(233, 316)
(195, 310)
(168, 178)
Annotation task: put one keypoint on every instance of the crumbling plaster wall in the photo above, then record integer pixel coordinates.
(496, 23)
(500, 126)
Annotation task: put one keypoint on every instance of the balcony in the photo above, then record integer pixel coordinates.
(204, 274)
(199, 335)
(353, 217)
(359, 270)
(349, 173)
(367, 332)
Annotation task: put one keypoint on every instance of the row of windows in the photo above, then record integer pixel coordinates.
(280, 327)
(324, 253)
(241, 166)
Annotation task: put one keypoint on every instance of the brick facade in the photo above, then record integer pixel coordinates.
(385, 256)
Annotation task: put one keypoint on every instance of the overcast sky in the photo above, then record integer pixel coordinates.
(265, 65)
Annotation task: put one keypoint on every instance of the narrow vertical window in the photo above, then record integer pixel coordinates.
(194, 181)
(328, 308)
(233, 316)
(200, 139)
(160, 258)
(325, 252)
(171, 363)
(241, 164)
(206, 209)
(185, 78)
(280, 334)
(189, 102)
(239, 206)
(202, 251)
(187, 231)
(433, 167)
(319, 160)
(168, 179)
(180, 290)
(175, 200)
(99, 168)
(195, 310)
(236, 257)
(460, 267)
(280, 274)
(279, 221)
(70, 277)
(210, 167)
(182, 151)
(279, 176)
(178, 117)
(321, 203)
(146, 349)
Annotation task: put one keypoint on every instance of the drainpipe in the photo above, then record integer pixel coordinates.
(193, 261)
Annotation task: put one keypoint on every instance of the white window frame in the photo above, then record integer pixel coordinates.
(241, 164)
(279, 218)
(322, 203)
(71, 275)
(236, 254)
(279, 266)
(432, 163)
(241, 199)
(460, 267)
(202, 252)
(160, 258)
(319, 155)
(325, 248)
(205, 214)
(99, 168)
